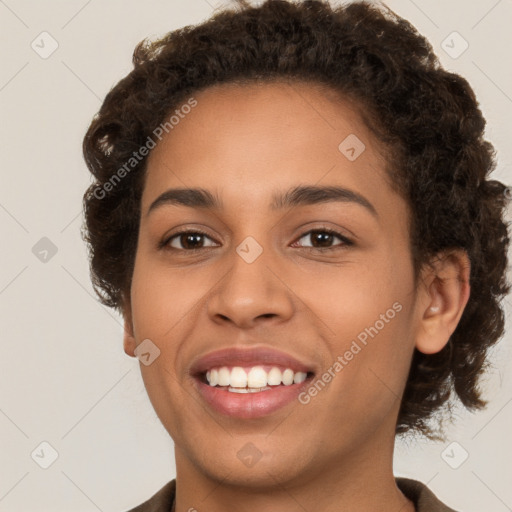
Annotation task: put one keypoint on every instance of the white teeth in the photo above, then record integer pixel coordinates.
(287, 377)
(274, 377)
(299, 377)
(238, 378)
(224, 376)
(214, 377)
(248, 390)
(257, 379)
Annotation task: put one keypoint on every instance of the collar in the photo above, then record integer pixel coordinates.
(423, 498)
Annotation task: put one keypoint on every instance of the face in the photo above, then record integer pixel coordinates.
(323, 278)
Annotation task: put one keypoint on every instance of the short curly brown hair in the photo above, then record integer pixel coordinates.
(428, 116)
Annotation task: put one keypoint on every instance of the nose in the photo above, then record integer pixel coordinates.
(250, 293)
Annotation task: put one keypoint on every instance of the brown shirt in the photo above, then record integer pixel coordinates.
(423, 498)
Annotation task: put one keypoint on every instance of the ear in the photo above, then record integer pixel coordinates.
(443, 295)
(128, 337)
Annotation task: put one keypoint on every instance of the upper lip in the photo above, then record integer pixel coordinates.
(237, 356)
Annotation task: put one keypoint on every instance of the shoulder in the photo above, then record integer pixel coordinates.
(422, 497)
(161, 501)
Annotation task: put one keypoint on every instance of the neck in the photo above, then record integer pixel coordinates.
(362, 482)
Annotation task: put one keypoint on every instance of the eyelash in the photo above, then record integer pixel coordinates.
(164, 244)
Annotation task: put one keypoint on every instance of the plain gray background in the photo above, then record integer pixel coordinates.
(64, 377)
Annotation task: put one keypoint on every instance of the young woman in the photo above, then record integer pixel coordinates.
(293, 212)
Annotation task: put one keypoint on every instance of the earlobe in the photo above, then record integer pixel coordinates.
(128, 337)
(443, 299)
(128, 341)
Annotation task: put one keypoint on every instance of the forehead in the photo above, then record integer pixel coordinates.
(249, 139)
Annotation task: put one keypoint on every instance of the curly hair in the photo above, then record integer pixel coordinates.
(427, 116)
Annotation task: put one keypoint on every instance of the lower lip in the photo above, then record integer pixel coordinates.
(250, 405)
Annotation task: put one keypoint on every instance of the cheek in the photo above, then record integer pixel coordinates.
(162, 299)
(352, 296)
(366, 314)
(161, 305)
(365, 373)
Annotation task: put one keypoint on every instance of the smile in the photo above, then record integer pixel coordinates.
(249, 383)
(252, 379)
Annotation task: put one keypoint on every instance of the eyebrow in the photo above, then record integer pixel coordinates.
(296, 196)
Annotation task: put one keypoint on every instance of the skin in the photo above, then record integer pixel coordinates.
(334, 453)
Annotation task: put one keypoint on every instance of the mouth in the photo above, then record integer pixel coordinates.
(250, 383)
(252, 379)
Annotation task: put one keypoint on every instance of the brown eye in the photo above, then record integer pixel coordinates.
(322, 239)
(186, 241)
